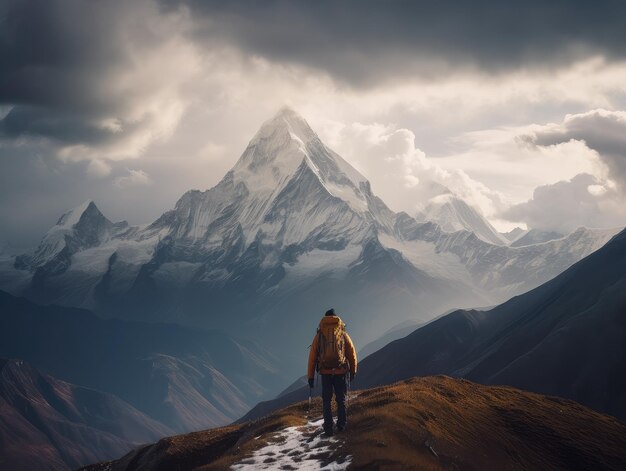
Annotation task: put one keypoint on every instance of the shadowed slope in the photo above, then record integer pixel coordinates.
(188, 379)
(565, 338)
(46, 423)
(425, 423)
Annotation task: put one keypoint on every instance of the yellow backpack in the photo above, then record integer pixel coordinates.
(331, 343)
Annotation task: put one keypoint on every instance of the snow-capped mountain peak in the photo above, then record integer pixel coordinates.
(292, 121)
(81, 227)
(287, 187)
(287, 194)
(74, 215)
(282, 146)
(453, 214)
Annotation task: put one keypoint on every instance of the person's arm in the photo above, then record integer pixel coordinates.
(312, 357)
(351, 355)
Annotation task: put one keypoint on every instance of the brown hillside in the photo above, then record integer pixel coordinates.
(422, 423)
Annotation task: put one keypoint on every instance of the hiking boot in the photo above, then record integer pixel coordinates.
(340, 428)
(327, 433)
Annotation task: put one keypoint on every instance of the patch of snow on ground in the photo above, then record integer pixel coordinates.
(302, 448)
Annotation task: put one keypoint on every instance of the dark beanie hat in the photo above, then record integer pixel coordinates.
(330, 312)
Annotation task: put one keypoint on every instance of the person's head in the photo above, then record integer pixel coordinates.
(330, 312)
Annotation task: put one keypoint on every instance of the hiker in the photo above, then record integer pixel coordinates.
(334, 356)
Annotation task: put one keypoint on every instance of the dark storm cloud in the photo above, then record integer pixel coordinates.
(56, 58)
(50, 50)
(24, 120)
(364, 42)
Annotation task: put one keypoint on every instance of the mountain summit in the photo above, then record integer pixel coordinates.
(79, 228)
(286, 146)
(286, 188)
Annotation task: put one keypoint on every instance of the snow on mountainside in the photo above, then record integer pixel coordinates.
(281, 148)
(453, 214)
(507, 271)
(79, 228)
(536, 236)
(286, 188)
(69, 263)
(291, 230)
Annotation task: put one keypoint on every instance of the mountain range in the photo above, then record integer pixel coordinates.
(290, 230)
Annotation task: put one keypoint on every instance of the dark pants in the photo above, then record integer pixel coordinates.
(338, 384)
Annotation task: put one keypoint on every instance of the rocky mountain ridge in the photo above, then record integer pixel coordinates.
(422, 423)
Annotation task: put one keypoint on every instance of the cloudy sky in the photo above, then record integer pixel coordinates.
(518, 107)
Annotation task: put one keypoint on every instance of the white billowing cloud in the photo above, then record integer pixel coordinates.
(505, 160)
(567, 205)
(133, 178)
(592, 198)
(401, 174)
(601, 130)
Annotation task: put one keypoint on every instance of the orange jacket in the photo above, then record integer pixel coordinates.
(350, 351)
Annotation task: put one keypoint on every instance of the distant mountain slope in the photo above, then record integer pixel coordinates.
(508, 271)
(185, 378)
(426, 423)
(396, 332)
(453, 214)
(513, 234)
(565, 338)
(46, 423)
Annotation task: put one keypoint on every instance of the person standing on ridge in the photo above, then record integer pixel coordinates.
(334, 356)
